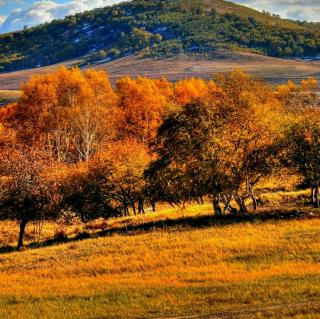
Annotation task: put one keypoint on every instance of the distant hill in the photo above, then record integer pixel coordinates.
(157, 28)
(273, 70)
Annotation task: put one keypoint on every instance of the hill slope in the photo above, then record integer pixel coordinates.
(272, 272)
(157, 28)
(273, 70)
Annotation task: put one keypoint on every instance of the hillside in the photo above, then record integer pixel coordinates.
(272, 272)
(273, 70)
(157, 28)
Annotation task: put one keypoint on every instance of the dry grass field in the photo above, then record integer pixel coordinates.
(9, 95)
(273, 70)
(184, 263)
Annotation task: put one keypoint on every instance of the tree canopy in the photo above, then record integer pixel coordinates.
(75, 145)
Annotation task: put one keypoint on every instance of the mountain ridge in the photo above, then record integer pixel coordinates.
(157, 28)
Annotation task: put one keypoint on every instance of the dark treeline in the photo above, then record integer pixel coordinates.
(75, 146)
(157, 28)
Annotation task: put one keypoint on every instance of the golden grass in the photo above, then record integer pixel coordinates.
(285, 180)
(173, 272)
(272, 198)
(10, 94)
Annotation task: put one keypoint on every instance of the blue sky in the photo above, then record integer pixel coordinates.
(15, 14)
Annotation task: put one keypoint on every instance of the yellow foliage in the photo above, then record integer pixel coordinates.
(189, 89)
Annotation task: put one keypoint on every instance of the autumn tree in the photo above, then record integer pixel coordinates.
(221, 144)
(122, 167)
(250, 136)
(86, 193)
(69, 116)
(302, 143)
(28, 187)
(67, 113)
(142, 103)
(187, 90)
(110, 184)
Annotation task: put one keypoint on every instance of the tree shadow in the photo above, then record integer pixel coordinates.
(206, 221)
(180, 224)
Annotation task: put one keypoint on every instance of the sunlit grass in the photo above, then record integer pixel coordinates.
(168, 272)
(285, 180)
(241, 268)
(164, 213)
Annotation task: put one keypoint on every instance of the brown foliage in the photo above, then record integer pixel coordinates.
(29, 186)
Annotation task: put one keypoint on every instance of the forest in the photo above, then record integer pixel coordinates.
(157, 28)
(73, 145)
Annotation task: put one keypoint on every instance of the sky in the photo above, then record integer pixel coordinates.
(15, 14)
(291, 9)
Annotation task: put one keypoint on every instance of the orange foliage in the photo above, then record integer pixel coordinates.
(142, 103)
(66, 112)
(189, 89)
(123, 165)
(232, 122)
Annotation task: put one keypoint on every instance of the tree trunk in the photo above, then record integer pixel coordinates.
(153, 204)
(216, 207)
(141, 206)
(226, 202)
(133, 205)
(125, 203)
(23, 225)
(313, 196)
(242, 205)
(125, 208)
(254, 202)
(316, 203)
(227, 205)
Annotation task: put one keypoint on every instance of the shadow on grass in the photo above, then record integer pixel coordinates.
(179, 224)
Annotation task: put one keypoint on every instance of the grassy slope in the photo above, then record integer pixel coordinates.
(240, 268)
(35, 46)
(229, 7)
(272, 69)
(9, 95)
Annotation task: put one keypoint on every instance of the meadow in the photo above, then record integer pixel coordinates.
(255, 268)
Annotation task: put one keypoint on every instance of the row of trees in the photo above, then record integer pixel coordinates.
(74, 145)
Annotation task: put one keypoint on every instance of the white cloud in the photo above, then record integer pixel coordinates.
(5, 2)
(47, 10)
(2, 19)
(290, 9)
